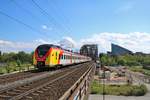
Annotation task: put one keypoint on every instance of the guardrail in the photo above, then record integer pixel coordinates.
(80, 89)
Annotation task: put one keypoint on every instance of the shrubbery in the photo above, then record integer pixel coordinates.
(15, 61)
(140, 69)
(21, 57)
(125, 90)
(128, 60)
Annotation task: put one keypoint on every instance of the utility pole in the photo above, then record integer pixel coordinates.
(103, 68)
(103, 82)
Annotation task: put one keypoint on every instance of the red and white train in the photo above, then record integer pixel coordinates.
(48, 55)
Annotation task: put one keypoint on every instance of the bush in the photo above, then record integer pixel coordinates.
(139, 91)
(125, 90)
(96, 88)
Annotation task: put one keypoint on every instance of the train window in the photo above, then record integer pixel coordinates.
(56, 55)
(61, 57)
(42, 50)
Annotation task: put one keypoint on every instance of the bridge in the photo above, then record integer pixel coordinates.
(69, 83)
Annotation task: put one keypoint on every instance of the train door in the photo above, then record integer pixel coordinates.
(57, 56)
(52, 57)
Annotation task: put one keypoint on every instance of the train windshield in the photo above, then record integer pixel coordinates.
(42, 50)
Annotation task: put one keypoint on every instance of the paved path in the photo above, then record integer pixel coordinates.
(111, 97)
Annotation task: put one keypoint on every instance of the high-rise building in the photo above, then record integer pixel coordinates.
(90, 50)
(118, 50)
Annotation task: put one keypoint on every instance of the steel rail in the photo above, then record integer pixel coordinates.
(34, 89)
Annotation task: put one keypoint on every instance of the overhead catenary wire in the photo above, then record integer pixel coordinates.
(21, 22)
(64, 18)
(47, 14)
(28, 12)
(25, 10)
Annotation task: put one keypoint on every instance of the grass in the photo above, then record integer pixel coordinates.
(140, 69)
(9, 69)
(125, 90)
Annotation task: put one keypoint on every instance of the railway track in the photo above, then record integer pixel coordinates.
(49, 88)
(18, 76)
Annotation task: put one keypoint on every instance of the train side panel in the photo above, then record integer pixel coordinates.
(54, 57)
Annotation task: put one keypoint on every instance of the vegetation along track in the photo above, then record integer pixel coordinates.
(48, 88)
(5, 79)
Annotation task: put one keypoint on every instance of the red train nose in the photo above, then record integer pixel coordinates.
(41, 59)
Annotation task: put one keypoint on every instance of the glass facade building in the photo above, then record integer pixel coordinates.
(118, 50)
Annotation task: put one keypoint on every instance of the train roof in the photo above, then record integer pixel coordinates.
(50, 45)
(55, 46)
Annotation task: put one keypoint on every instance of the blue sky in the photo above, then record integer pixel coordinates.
(77, 20)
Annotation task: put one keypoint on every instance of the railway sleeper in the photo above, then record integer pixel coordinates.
(15, 90)
(12, 93)
(5, 96)
(24, 88)
(39, 91)
(35, 94)
(29, 98)
(44, 89)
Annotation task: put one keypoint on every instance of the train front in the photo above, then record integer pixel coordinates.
(41, 56)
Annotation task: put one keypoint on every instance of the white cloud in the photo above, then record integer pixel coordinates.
(67, 42)
(45, 27)
(135, 41)
(41, 41)
(10, 46)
